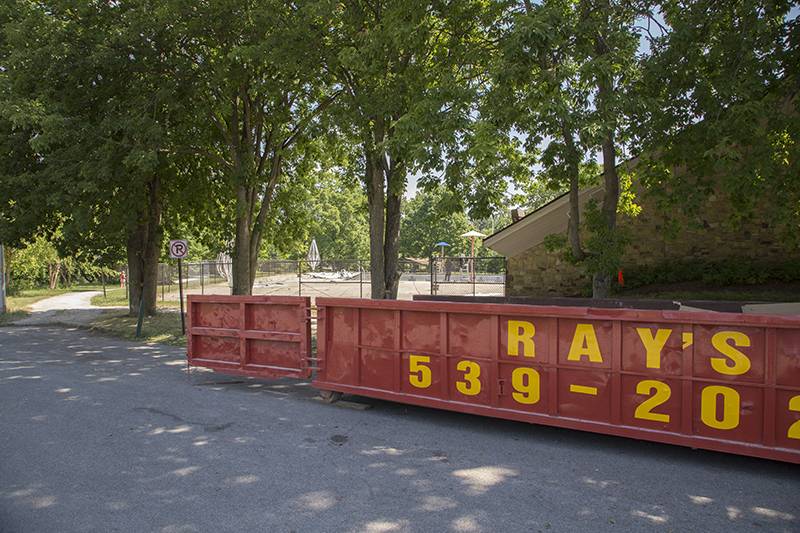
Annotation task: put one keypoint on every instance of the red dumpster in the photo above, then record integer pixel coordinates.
(261, 336)
(720, 381)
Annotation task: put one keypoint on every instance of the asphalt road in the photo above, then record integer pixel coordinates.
(101, 434)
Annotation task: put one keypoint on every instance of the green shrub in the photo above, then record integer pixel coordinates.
(731, 271)
(736, 271)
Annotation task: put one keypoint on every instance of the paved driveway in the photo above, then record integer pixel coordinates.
(100, 434)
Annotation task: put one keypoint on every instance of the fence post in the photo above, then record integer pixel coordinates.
(141, 318)
(299, 278)
(432, 269)
(474, 276)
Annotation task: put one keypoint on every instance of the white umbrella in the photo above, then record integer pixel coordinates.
(473, 234)
(313, 257)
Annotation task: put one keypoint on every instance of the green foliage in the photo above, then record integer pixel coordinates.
(563, 83)
(340, 223)
(39, 264)
(731, 271)
(498, 220)
(724, 79)
(428, 220)
(255, 77)
(605, 246)
(28, 266)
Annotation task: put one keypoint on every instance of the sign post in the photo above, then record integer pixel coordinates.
(2, 280)
(179, 249)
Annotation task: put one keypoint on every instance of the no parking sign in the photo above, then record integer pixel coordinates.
(179, 249)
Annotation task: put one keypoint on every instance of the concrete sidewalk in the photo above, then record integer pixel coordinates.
(72, 309)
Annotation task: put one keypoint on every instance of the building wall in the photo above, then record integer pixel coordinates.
(539, 273)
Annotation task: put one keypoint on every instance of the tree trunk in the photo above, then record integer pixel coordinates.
(53, 274)
(376, 197)
(601, 285)
(256, 237)
(144, 250)
(610, 181)
(391, 252)
(241, 248)
(574, 223)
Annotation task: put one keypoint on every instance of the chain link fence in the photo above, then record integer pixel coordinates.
(460, 276)
(348, 278)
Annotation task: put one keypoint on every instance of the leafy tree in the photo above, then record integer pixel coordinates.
(91, 84)
(340, 223)
(398, 65)
(564, 84)
(39, 263)
(500, 219)
(35, 264)
(726, 76)
(26, 210)
(258, 91)
(427, 222)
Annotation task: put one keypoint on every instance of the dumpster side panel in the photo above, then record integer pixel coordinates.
(708, 380)
(260, 336)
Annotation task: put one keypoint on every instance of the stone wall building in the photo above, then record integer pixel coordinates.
(533, 271)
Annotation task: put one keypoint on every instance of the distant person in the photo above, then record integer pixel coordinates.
(122, 280)
(448, 269)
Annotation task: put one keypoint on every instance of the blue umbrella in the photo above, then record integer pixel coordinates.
(442, 244)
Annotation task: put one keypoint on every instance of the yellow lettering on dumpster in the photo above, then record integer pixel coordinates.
(654, 345)
(521, 332)
(741, 364)
(585, 343)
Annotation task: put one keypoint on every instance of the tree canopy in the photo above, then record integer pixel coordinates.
(725, 76)
(340, 223)
(426, 222)
(565, 84)
(86, 83)
(124, 122)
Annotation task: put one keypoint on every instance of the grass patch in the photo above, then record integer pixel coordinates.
(118, 298)
(112, 298)
(11, 316)
(163, 328)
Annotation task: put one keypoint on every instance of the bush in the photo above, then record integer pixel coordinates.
(744, 271)
(731, 271)
(673, 271)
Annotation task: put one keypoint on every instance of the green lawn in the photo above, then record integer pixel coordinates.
(163, 328)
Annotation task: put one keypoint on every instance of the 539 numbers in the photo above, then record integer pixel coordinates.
(719, 405)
